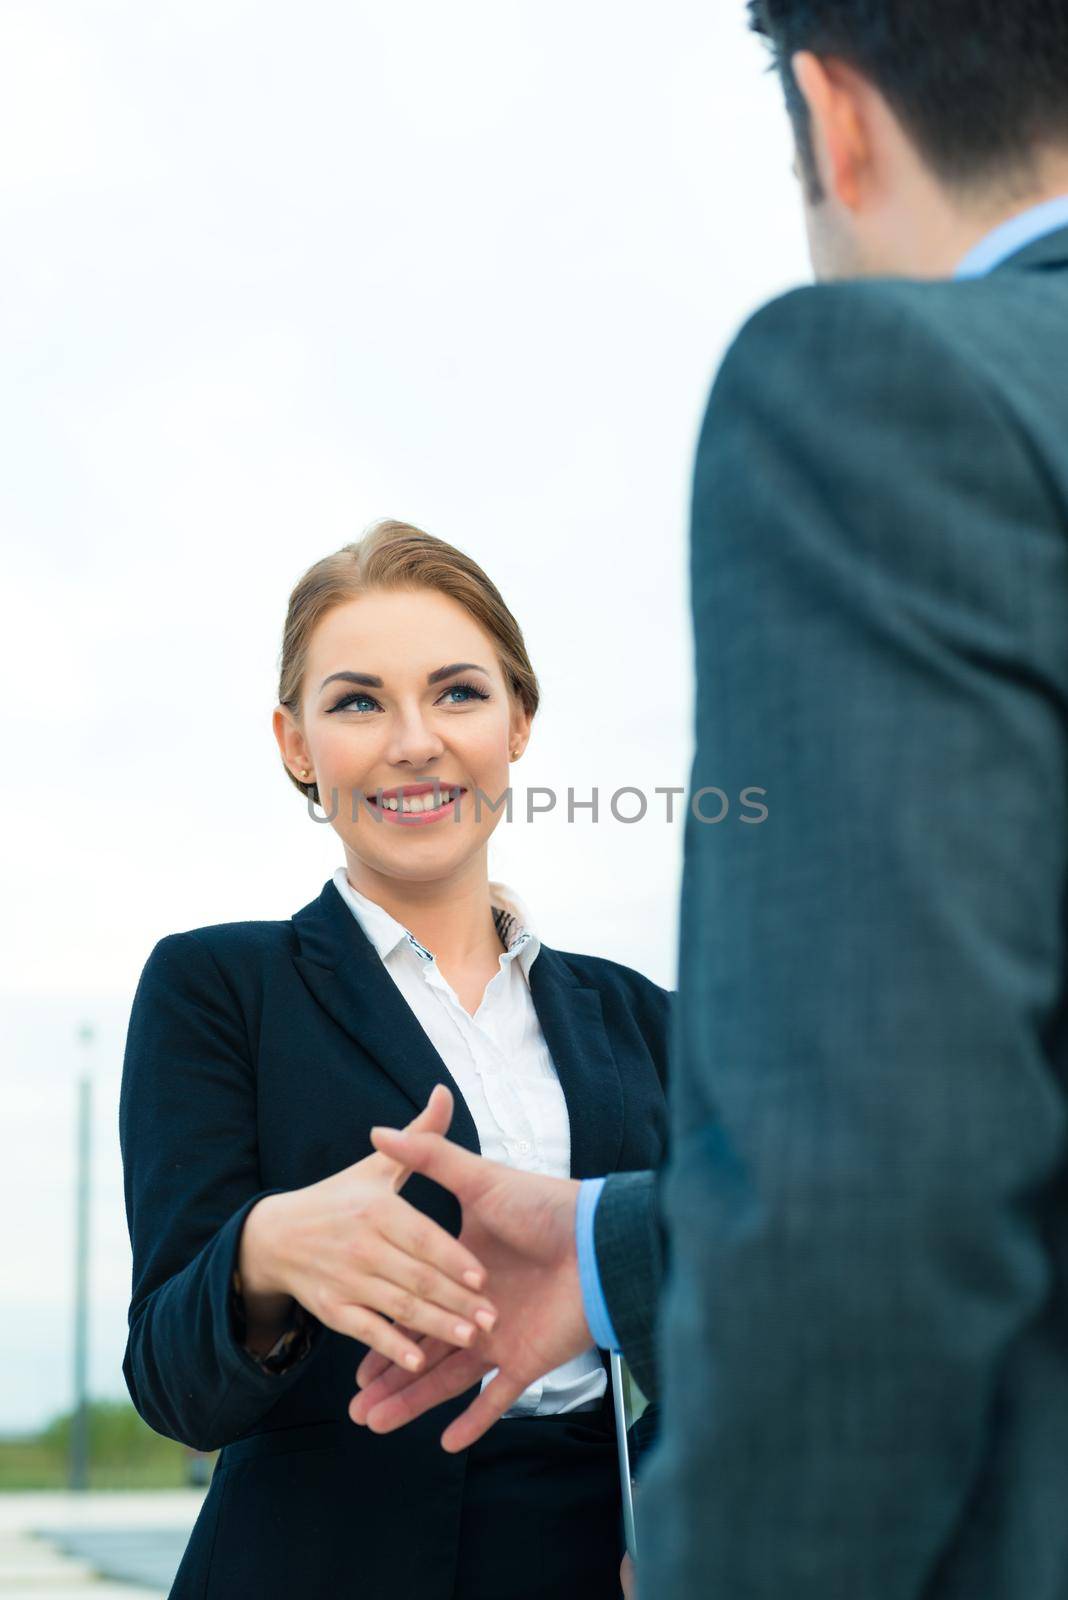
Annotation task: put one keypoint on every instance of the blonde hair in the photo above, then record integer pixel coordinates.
(396, 555)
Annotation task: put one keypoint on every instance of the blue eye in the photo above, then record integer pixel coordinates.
(468, 688)
(347, 701)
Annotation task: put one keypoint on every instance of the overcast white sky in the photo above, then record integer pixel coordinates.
(269, 272)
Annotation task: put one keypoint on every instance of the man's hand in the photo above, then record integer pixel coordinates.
(521, 1228)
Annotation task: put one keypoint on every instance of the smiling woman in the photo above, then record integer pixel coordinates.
(272, 1248)
(396, 559)
(405, 683)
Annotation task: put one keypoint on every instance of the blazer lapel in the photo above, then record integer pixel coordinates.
(572, 1020)
(344, 972)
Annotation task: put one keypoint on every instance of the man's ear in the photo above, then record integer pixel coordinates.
(839, 135)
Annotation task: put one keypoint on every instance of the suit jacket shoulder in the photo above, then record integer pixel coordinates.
(602, 970)
(234, 942)
(950, 374)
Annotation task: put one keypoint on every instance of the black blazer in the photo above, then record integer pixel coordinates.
(258, 1057)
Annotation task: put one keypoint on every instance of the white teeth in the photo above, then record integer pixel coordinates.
(418, 802)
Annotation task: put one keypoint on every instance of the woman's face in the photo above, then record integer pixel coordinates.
(359, 737)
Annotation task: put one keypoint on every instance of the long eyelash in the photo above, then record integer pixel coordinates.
(475, 690)
(361, 694)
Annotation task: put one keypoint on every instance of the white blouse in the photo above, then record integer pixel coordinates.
(503, 1069)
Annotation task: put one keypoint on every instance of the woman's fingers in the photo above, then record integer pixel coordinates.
(359, 1322)
(421, 1315)
(434, 1118)
(377, 1364)
(420, 1237)
(407, 1287)
(390, 1377)
(428, 1283)
(429, 1152)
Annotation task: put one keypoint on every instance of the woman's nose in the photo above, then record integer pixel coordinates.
(414, 744)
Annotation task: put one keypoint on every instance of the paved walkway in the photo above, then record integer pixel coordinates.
(97, 1545)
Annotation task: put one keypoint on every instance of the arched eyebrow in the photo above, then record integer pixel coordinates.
(367, 680)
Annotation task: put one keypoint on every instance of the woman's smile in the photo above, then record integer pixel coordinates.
(418, 810)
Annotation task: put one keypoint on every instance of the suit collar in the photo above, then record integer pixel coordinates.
(1047, 253)
(345, 974)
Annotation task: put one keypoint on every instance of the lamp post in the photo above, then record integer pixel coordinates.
(79, 1428)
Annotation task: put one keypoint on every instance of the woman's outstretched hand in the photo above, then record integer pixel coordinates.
(356, 1255)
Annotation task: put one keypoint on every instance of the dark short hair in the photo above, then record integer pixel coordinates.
(977, 84)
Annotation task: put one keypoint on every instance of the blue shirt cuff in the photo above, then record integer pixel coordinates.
(593, 1299)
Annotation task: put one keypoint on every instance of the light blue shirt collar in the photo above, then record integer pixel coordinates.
(1008, 237)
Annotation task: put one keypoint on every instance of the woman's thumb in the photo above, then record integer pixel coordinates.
(435, 1117)
(436, 1114)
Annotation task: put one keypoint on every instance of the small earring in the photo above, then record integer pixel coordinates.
(304, 772)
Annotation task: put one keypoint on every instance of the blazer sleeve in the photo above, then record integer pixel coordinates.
(867, 1121)
(187, 1133)
(628, 1231)
(627, 1240)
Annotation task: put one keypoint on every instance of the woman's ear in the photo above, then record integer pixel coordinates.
(518, 732)
(290, 740)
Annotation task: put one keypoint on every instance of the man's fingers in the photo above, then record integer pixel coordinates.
(451, 1376)
(388, 1379)
(377, 1372)
(374, 1363)
(371, 1367)
(486, 1409)
(435, 1157)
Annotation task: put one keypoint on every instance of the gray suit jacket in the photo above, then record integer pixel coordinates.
(863, 1347)
(629, 1244)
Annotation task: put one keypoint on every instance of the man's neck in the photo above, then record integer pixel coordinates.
(950, 226)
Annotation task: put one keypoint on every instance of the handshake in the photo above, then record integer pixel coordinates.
(517, 1241)
(520, 1227)
(517, 1238)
